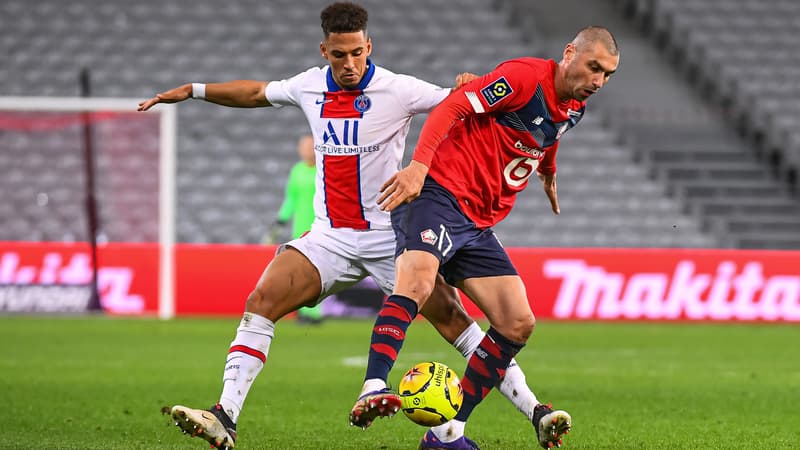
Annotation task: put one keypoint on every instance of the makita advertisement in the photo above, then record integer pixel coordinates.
(566, 284)
(662, 284)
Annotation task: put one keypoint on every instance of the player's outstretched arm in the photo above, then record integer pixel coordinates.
(238, 94)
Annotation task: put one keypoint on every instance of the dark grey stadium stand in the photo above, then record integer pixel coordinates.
(232, 163)
(741, 56)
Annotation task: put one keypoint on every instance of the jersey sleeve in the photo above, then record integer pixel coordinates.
(419, 97)
(507, 88)
(287, 92)
(547, 166)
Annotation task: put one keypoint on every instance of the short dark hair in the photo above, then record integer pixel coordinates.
(343, 17)
(593, 34)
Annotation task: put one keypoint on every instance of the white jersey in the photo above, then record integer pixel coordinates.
(359, 137)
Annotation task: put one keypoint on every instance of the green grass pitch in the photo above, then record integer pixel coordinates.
(100, 383)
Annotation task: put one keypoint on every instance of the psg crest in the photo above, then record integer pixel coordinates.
(362, 103)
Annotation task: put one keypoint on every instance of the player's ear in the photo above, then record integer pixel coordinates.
(323, 50)
(369, 46)
(569, 52)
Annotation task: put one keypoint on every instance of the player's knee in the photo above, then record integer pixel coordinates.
(526, 327)
(268, 303)
(518, 330)
(257, 302)
(416, 275)
(417, 288)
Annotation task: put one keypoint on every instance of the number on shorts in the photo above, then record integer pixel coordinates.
(442, 235)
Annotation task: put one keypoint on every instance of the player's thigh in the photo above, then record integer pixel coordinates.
(504, 301)
(289, 282)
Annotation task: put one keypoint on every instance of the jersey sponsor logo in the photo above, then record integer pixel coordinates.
(323, 101)
(348, 135)
(362, 103)
(572, 113)
(341, 138)
(535, 152)
(538, 120)
(496, 91)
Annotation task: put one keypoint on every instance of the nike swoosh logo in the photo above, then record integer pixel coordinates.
(320, 102)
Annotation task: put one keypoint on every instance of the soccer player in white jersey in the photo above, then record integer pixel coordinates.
(359, 115)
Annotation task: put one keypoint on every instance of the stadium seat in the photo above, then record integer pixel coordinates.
(232, 163)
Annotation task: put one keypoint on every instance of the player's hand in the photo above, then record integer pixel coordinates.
(463, 78)
(549, 185)
(178, 94)
(403, 186)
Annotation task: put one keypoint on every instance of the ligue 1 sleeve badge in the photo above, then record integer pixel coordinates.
(362, 103)
(496, 91)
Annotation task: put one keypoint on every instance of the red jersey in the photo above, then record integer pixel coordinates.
(512, 121)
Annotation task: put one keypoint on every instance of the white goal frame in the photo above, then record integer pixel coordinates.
(168, 131)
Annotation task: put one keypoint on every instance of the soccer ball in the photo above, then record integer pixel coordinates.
(430, 393)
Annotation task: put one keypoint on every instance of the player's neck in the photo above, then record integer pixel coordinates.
(560, 85)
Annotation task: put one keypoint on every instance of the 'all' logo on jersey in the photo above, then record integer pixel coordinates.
(348, 134)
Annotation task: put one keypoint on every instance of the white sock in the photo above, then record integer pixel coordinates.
(373, 384)
(241, 367)
(513, 386)
(516, 389)
(469, 339)
(449, 431)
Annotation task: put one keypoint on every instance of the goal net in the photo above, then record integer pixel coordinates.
(60, 156)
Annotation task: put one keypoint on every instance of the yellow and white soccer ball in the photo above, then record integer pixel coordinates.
(430, 393)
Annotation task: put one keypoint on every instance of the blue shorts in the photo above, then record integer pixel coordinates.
(435, 224)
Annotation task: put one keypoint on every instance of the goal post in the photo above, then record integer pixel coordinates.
(26, 110)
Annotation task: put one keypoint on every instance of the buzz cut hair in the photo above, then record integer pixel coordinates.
(343, 17)
(591, 35)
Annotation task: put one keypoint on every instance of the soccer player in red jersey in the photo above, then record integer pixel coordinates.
(477, 150)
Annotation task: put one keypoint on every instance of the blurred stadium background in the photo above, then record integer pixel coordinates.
(694, 143)
(675, 190)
